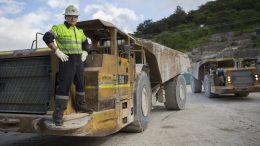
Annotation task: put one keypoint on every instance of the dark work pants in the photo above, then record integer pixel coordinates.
(70, 71)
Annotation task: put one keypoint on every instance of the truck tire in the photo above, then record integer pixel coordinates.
(195, 85)
(142, 104)
(175, 93)
(242, 94)
(207, 87)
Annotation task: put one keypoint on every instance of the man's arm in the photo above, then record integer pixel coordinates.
(85, 45)
(52, 46)
(48, 38)
(85, 50)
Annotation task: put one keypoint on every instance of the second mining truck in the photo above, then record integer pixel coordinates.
(232, 71)
(122, 75)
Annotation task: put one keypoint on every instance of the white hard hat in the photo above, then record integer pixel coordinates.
(71, 10)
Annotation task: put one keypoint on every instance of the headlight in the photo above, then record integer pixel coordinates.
(229, 79)
(256, 77)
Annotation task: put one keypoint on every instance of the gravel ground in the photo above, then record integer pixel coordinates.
(226, 120)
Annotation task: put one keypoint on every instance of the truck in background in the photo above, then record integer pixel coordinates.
(232, 71)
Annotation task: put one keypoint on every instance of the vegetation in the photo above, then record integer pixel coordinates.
(183, 31)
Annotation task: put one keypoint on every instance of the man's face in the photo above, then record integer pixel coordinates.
(71, 19)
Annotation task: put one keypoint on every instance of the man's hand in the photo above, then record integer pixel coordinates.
(84, 55)
(63, 57)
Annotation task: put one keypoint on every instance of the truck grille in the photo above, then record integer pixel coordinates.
(242, 78)
(258, 68)
(25, 85)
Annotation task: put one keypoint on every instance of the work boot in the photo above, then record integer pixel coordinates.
(60, 107)
(81, 105)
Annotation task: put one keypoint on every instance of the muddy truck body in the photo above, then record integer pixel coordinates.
(123, 75)
(227, 73)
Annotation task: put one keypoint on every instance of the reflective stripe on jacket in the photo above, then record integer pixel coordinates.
(69, 40)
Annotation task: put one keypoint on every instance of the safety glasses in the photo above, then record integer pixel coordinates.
(72, 16)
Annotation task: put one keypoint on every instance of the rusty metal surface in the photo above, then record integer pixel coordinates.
(97, 124)
(200, 54)
(233, 89)
(99, 30)
(25, 53)
(163, 61)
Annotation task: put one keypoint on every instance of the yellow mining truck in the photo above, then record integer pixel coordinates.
(122, 75)
(227, 73)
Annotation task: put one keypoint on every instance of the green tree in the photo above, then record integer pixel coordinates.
(183, 30)
(143, 27)
(178, 17)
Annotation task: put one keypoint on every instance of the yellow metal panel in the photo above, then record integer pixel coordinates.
(6, 53)
(113, 33)
(125, 112)
(108, 65)
(103, 122)
(125, 70)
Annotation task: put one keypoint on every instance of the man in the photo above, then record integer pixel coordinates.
(70, 41)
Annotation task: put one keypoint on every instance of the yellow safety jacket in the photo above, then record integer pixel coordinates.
(69, 40)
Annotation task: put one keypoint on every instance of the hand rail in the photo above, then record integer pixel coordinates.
(36, 40)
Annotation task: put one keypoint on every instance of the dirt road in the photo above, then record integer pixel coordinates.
(220, 121)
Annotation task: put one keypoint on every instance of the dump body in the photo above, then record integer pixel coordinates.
(164, 63)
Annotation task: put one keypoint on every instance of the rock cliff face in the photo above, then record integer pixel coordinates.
(226, 45)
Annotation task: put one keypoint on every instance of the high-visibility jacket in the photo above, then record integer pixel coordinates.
(69, 40)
